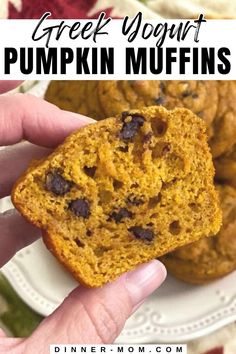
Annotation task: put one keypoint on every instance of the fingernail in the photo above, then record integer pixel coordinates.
(142, 281)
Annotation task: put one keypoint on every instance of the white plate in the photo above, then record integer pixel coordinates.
(177, 312)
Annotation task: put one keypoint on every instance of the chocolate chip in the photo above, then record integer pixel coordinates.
(79, 243)
(57, 184)
(90, 171)
(154, 201)
(194, 95)
(160, 100)
(150, 224)
(141, 233)
(134, 201)
(89, 233)
(80, 207)
(130, 129)
(186, 94)
(121, 214)
(117, 184)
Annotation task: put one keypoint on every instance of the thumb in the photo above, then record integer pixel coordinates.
(97, 315)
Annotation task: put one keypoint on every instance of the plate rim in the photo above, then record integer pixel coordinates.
(14, 273)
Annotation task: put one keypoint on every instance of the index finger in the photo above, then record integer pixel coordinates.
(23, 116)
(8, 85)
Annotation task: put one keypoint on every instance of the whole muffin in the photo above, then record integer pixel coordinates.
(210, 258)
(223, 135)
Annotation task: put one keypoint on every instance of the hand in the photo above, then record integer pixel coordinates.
(86, 315)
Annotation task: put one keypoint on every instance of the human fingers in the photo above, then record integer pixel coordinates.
(97, 315)
(15, 234)
(8, 85)
(14, 160)
(24, 116)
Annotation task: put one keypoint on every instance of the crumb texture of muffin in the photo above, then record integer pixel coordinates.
(123, 191)
(209, 258)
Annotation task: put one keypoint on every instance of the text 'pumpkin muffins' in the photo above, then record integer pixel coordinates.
(123, 191)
